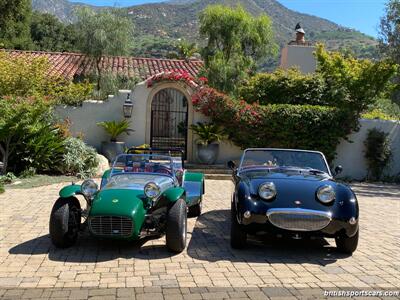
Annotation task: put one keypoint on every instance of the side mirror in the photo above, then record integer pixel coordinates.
(231, 165)
(338, 170)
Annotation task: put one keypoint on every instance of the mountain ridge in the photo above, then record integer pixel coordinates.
(160, 24)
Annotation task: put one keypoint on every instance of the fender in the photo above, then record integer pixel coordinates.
(193, 183)
(70, 190)
(197, 177)
(174, 194)
(104, 178)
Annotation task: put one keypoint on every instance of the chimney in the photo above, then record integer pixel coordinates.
(300, 34)
(299, 53)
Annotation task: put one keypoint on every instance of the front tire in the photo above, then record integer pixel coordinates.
(238, 235)
(65, 219)
(176, 233)
(195, 210)
(347, 244)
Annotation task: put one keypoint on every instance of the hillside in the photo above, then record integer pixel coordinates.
(159, 25)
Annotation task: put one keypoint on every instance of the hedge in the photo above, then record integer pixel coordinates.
(285, 87)
(247, 125)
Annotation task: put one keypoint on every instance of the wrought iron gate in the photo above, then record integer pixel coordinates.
(169, 120)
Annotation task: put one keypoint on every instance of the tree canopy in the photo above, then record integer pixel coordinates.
(236, 42)
(49, 34)
(389, 30)
(14, 23)
(389, 39)
(107, 32)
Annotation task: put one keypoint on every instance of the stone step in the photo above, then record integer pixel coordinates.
(218, 176)
(208, 169)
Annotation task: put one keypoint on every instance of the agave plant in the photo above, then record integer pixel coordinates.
(115, 129)
(208, 133)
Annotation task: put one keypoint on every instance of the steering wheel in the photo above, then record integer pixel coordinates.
(162, 169)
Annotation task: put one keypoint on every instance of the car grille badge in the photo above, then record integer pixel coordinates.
(297, 202)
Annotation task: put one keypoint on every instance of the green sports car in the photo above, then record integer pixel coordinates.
(144, 194)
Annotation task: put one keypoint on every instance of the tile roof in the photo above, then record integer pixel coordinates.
(71, 65)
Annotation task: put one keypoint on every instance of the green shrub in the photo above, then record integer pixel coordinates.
(384, 108)
(1, 188)
(29, 137)
(285, 87)
(353, 84)
(340, 81)
(376, 114)
(276, 125)
(79, 159)
(27, 173)
(377, 153)
(25, 76)
(7, 178)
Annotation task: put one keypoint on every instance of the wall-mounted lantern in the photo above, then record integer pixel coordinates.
(128, 107)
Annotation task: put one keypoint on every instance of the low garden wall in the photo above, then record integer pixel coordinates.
(84, 119)
(351, 154)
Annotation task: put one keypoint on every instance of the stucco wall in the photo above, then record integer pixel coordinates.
(351, 154)
(83, 120)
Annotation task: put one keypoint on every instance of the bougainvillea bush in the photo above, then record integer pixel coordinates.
(176, 76)
(276, 125)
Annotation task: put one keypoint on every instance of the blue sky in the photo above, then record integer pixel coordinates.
(362, 15)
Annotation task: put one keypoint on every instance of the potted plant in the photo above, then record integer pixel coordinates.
(112, 148)
(207, 148)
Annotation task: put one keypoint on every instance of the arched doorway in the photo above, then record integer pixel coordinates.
(169, 120)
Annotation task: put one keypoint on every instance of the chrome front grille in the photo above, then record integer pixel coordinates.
(298, 219)
(111, 226)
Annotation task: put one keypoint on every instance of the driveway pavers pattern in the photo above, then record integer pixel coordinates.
(30, 267)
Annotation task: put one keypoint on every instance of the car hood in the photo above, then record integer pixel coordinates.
(138, 181)
(117, 202)
(291, 186)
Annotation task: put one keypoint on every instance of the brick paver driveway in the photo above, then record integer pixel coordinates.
(31, 267)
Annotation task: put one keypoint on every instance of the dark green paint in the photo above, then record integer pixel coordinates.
(106, 174)
(121, 202)
(174, 194)
(70, 190)
(193, 176)
(104, 178)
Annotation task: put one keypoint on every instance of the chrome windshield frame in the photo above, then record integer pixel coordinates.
(169, 158)
(239, 169)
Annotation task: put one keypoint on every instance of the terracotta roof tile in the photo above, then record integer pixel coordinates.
(71, 65)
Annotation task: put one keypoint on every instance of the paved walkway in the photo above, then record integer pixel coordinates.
(31, 267)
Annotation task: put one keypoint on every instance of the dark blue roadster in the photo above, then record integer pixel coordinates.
(291, 193)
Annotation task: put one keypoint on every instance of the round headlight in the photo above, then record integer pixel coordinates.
(326, 194)
(267, 190)
(151, 190)
(89, 188)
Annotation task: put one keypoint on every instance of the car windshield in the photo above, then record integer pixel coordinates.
(274, 158)
(143, 163)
